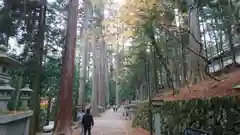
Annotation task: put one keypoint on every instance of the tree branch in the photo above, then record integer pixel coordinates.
(160, 57)
(197, 54)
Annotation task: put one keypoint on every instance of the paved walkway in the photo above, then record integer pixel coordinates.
(110, 123)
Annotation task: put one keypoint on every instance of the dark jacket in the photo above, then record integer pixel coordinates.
(87, 120)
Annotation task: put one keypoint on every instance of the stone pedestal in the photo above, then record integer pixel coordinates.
(157, 124)
(157, 104)
(17, 124)
(3, 104)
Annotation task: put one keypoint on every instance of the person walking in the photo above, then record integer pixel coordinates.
(114, 108)
(79, 119)
(87, 122)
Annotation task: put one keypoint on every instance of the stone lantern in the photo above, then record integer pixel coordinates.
(25, 95)
(5, 95)
(5, 89)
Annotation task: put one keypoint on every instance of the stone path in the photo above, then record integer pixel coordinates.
(110, 123)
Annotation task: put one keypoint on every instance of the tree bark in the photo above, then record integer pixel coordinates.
(107, 77)
(230, 41)
(184, 67)
(117, 70)
(196, 65)
(97, 73)
(101, 73)
(17, 92)
(155, 75)
(105, 60)
(64, 116)
(48, 110)
(95, 82)
(94, 101)
(36, 83)
(117, 79)
(110, 78)
(83, 71)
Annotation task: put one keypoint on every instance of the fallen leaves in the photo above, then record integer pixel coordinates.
(207, 88)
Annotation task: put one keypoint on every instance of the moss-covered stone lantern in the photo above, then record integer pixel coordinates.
(5, 89)
(5, 95)
(25, 95)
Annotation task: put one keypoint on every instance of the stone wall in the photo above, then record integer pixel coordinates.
(218, 116)
(15, 124)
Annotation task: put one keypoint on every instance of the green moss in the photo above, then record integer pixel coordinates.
(4, 112)
(210, 114)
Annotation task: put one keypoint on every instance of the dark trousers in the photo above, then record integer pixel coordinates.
(87, 130)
